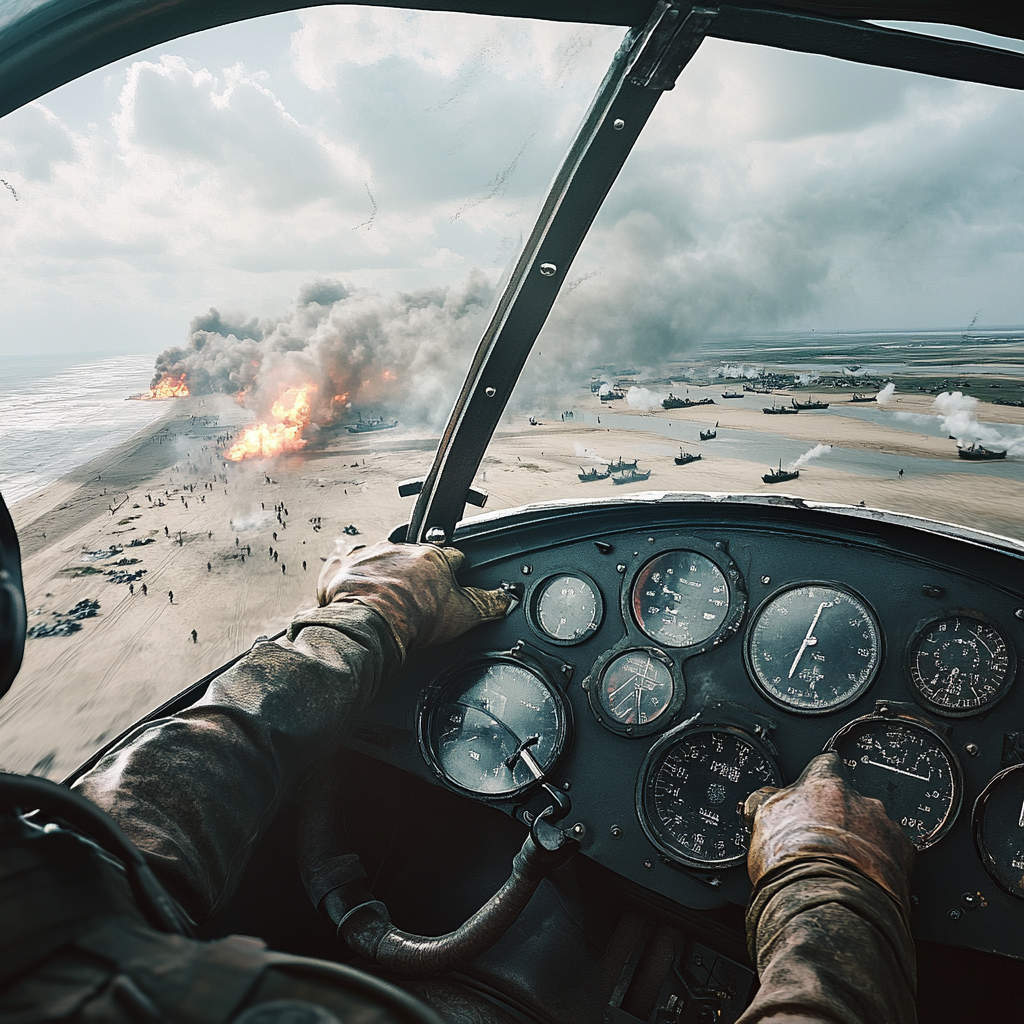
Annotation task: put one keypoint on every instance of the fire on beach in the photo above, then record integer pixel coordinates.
(292, 414)
(168, 386)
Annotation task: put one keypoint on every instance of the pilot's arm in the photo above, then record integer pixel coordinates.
(828, 922)
(196, 791)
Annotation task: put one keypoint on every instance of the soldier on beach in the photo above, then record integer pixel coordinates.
(195, 637)
(170, 597)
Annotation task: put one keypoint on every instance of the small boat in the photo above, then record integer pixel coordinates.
(685, 458)
(586, 476)
(778, 476)
(709, 435)
(809, 405)
(732, 394)
(862, 398)
(631, 476)
(780, 410)
(620, 466)
(978, 453)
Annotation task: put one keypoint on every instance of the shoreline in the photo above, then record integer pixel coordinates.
(211, 531)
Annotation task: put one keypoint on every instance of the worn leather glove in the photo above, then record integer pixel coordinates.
(820, 817)
(413, 588)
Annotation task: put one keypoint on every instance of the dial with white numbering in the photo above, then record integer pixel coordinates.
(636, 688)
(567, 608)
(813, 648)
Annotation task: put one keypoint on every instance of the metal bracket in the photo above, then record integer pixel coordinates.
(410, 488)
(670, 46)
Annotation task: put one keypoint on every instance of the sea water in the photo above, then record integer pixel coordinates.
(59, 412)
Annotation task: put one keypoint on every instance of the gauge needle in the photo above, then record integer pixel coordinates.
(639, 694)
(899, 771)
(809, 641)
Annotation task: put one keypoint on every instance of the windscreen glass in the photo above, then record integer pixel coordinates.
(244, 273)
(806, 280)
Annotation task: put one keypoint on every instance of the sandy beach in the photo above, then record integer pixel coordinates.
(205, 531)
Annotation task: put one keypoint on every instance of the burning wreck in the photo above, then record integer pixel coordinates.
(165, 385)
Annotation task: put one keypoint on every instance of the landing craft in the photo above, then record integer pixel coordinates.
(645, 923)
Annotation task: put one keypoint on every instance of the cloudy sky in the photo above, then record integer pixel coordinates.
(395, 152)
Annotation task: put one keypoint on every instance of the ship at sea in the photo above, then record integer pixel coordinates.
(685, 458)
(709, 435)
(365, 426)
(978, 453)
(809, 405)
(778, 476)
(779, 410)
(587, 476)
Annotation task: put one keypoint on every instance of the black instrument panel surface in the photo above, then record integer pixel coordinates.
(908, 574)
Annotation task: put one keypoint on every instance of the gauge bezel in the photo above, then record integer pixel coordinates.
(536, 591)
(976, 816)
(593, 685)
(762, 687)
(430, 700)
(908, 663)
(717, 555)
(912, 721)
(653, 757)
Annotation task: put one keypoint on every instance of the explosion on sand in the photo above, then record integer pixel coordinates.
(291, 413)
(168, 386)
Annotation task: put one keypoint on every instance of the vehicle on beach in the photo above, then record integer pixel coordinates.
(513, 731)
(685, 458)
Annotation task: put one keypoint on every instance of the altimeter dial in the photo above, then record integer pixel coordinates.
(960, 665)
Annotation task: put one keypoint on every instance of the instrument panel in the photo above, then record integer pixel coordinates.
(655, 676)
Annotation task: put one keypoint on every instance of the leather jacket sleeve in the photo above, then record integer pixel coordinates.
(831, 947)
(197, 790)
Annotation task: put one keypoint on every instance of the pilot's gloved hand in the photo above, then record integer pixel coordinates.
(822, 816)
(413, 588)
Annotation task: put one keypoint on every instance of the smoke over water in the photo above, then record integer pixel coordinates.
(817, 451)
(337, 354)
(885, 395)
(643, 399)
(959, 418)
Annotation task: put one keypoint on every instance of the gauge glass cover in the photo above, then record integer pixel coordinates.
(636, 688)
(680, 598)
(567, 609)
(813, 648)
(689, 790)
(907, 766)
(486, 715)
(960, 665)
(999, 829)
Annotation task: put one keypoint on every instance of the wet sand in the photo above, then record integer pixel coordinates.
(74, 692)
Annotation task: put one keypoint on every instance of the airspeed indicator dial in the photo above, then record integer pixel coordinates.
(813, 648)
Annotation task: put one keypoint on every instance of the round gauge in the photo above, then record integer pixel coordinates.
(813, 648)
(680, 598)
(566, 609)
(493, 727)
(999, 829)
(909, 767)
(690, 787)
(960, 665)
(634, 690)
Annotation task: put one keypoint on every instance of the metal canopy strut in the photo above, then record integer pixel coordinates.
(648, 62)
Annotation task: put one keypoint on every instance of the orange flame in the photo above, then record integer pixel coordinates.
(167, 386)
(292, 413)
